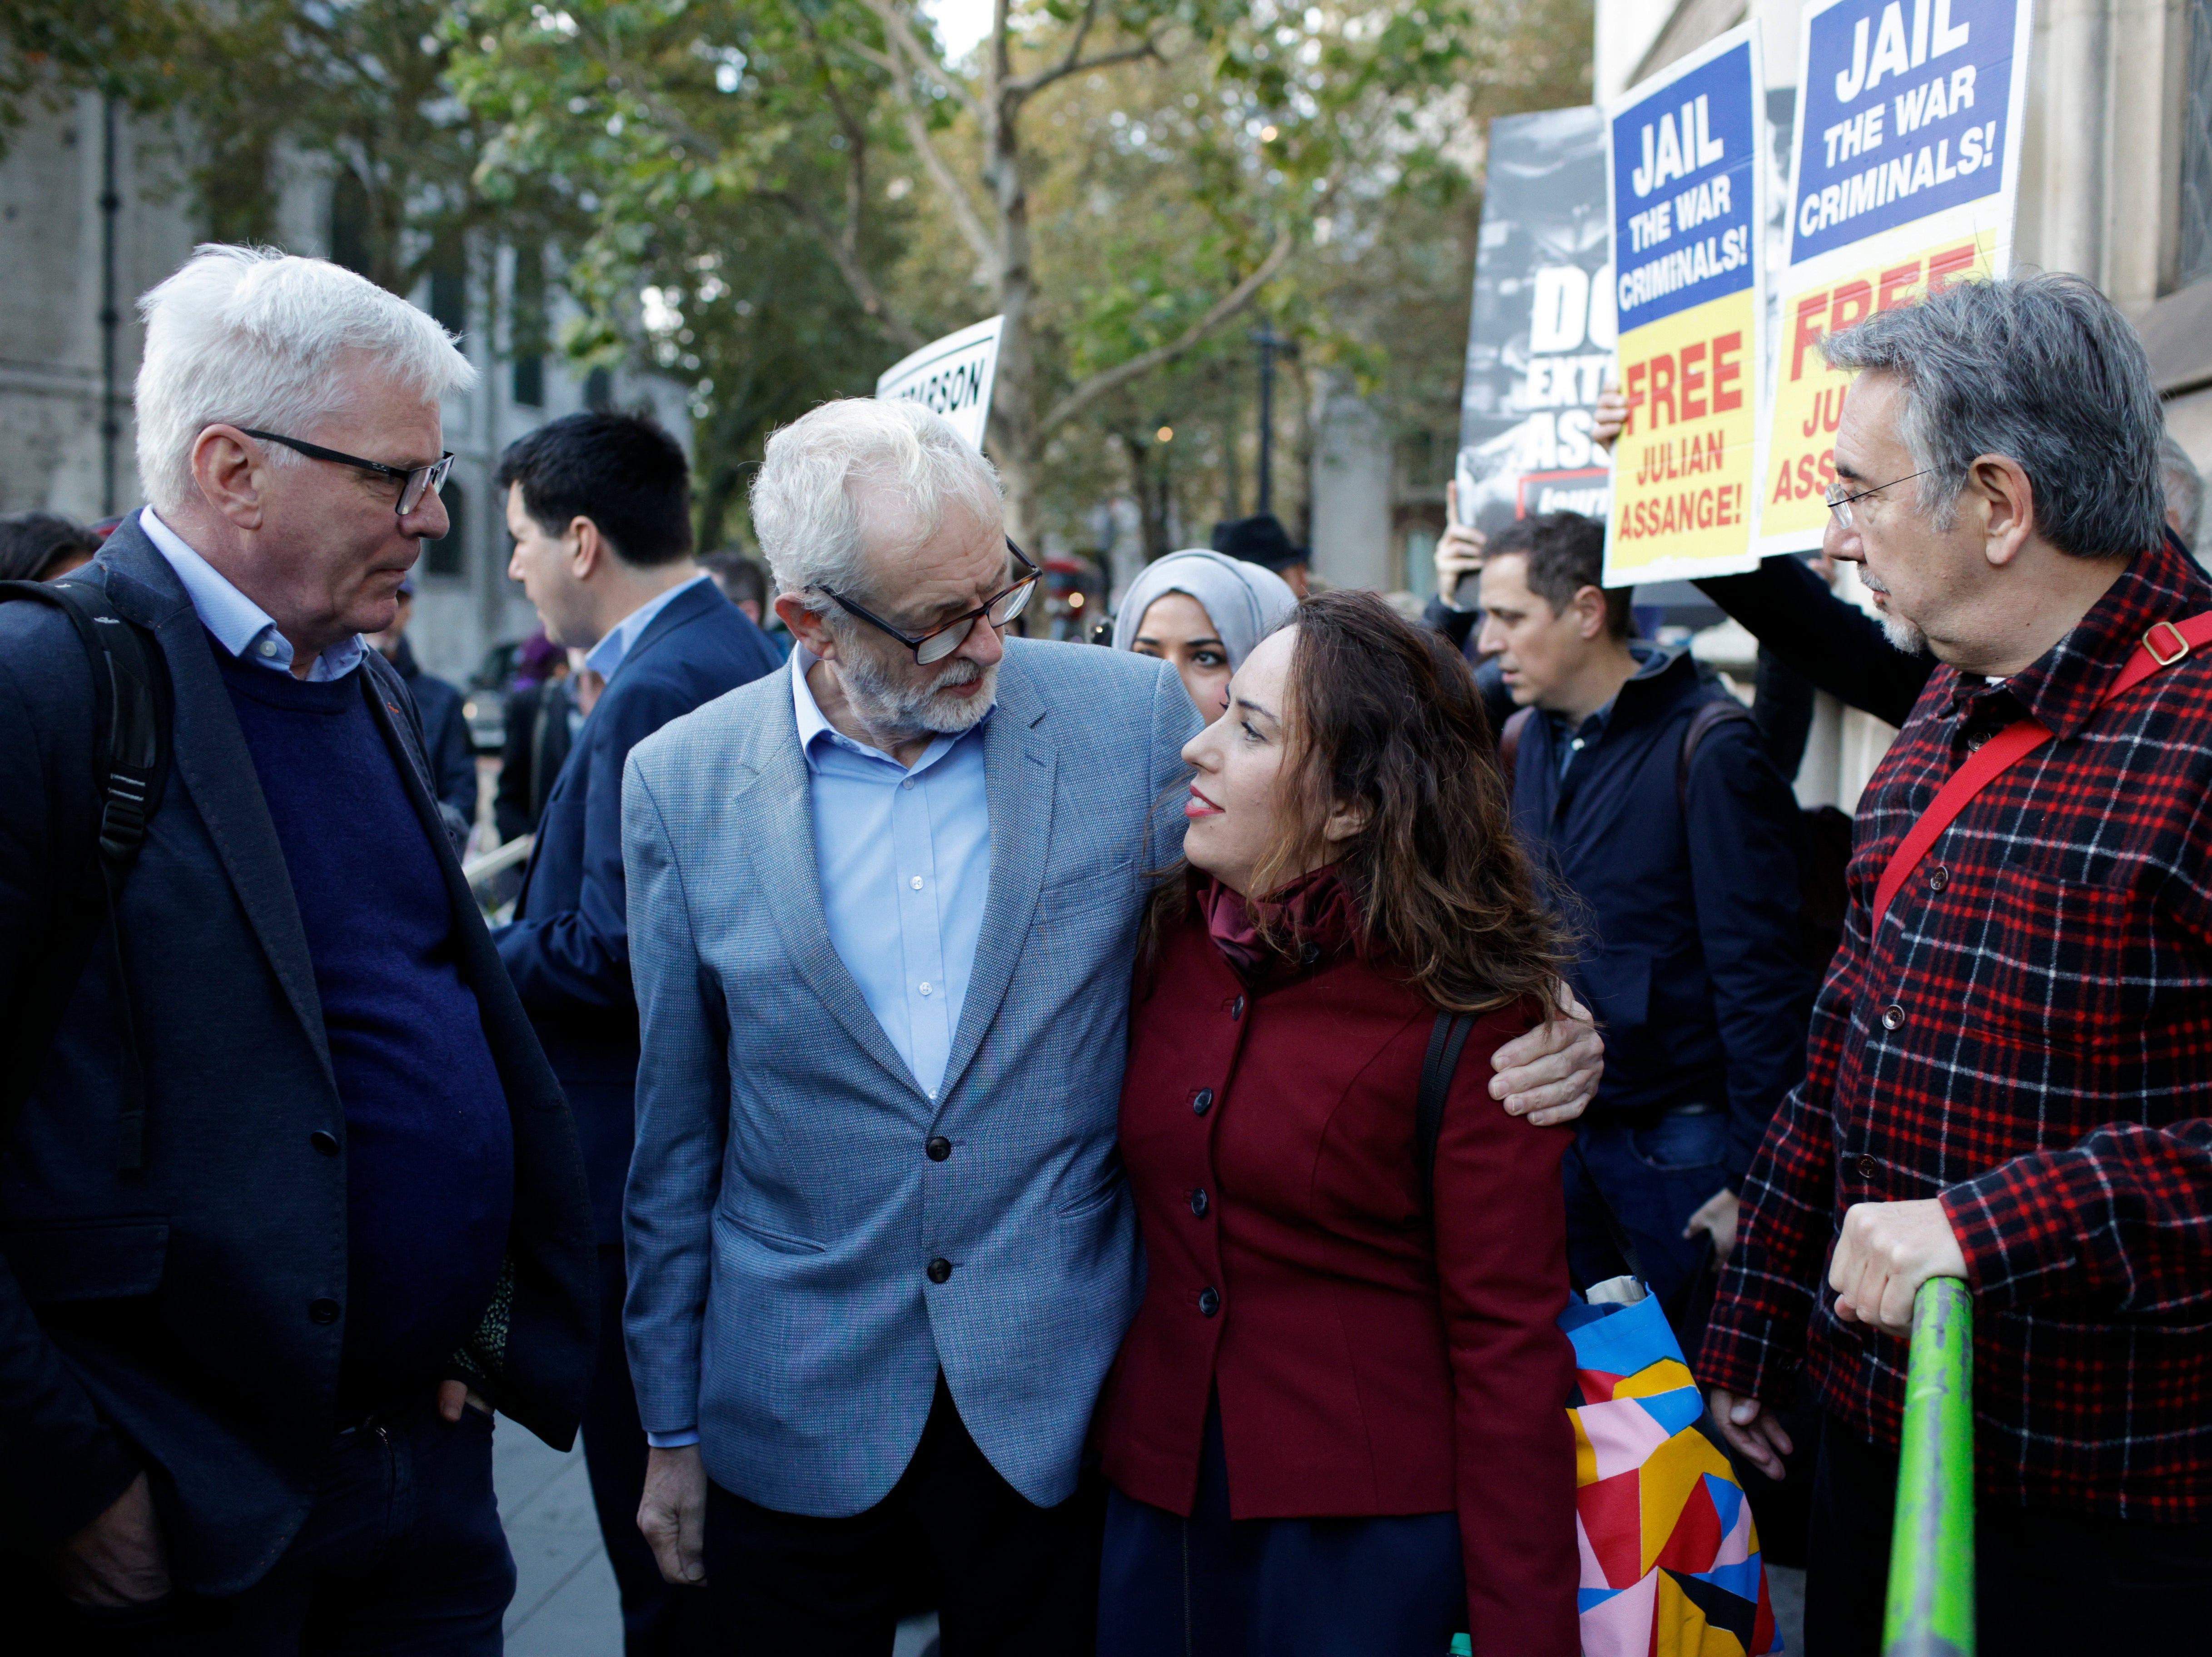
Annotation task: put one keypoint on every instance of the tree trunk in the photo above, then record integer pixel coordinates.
(1014, 399)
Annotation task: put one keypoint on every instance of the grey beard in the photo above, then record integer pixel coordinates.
(1901, 634)
(903, 712)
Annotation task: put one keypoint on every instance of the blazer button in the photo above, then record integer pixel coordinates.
(1209, 1302)
(324, 1311)
(1203, 1102)
(940, 1270)
(1869, 1168)
(1197, 1203)
(938, 1149)
(324, 1141)
(1938, 878)
(1892, 1017)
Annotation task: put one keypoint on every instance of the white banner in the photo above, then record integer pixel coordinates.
(953, 376)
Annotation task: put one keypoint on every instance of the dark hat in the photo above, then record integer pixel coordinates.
(1260, 540)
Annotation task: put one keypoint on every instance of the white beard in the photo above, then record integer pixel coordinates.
(902, 712)
(1902, 634)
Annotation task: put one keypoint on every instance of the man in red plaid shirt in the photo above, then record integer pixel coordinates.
(2010, 1069)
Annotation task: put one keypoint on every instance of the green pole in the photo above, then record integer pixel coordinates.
(1931, 1559)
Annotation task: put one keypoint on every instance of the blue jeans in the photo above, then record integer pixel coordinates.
(1654, 1178)
(402, 1555)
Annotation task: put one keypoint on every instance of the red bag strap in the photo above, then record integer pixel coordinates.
(2164, 644)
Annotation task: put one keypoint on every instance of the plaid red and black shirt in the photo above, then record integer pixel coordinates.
(2028, 1036)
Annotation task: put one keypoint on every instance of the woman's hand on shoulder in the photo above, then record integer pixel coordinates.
(1550, 1074)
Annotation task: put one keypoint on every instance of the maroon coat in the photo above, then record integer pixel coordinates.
(1363, 1368)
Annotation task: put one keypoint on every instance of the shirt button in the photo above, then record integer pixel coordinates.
(324, 1141)
(1209, 1301)
(1974, 744)
(1892, 1017)
(1197, 1203)
(268, 646)
(1869, 1168)
(938, 1149)
(908, 783)
(1237, 1008)
(324, 1311)
(940, 1270)
(1938, 878)
(1203, 1103)
(916, 882)
(925, 986)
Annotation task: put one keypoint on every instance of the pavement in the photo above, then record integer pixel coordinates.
(564, 1593)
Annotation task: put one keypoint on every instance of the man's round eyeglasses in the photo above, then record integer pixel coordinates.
(414, 482)
(1840, 504)
(942, 641)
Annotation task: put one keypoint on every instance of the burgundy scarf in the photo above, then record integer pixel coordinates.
(1313, 917)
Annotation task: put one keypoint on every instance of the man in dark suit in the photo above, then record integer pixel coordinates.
(445, 728)
(599, 507)
(263, 1287)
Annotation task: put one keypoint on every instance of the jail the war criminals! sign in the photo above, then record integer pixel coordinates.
(1686, 184)
(953, 376)
(1905, 171)
(1540, 341)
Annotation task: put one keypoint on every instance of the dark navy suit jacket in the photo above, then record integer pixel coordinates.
(1689, 939)
(446, 738)
(568, 949)
(167, 1319)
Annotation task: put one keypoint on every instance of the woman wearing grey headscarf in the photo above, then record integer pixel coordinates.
(1203, 613)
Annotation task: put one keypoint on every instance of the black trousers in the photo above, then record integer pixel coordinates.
(1010, 1579)
(401, 1554)
(2046, 1582)
(659, 1619)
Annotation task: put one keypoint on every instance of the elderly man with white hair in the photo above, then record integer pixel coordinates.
(884, 910)
(289, 1200)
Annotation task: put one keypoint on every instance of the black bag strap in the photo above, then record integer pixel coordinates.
(1446, 1041)
(130, 762)
(1709, 717)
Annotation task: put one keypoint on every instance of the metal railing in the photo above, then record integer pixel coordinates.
(1930, 1611)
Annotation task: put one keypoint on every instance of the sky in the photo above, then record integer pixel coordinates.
(960, 24)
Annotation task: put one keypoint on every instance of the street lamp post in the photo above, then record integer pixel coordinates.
(1272, 345)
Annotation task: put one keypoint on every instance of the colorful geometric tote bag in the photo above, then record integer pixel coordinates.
(1670, 1560)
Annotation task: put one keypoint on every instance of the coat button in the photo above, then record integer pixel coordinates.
(1869, 1168)
(323, 1311)
(1197, 1203)
(1209, 1302)
(1203, 1102)
(1237, 1008)
(324, 1141)
(940, 1270)
(1892, 1017)
(938, 1149)
(1938, 878)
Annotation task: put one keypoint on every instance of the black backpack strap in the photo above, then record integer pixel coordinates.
(1709, 717)
(130, 762)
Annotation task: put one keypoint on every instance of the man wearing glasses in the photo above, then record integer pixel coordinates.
(279, 1239)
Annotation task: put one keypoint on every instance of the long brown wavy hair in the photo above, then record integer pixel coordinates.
(1385, 714)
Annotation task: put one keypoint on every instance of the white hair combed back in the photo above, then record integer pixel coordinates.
(248, 336)
(806, 502)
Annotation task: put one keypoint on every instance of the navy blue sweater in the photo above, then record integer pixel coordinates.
(430, 1154)
(1689, 926)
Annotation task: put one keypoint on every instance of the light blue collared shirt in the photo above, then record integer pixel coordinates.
(606, 656)
(904, 859)
(240, 626)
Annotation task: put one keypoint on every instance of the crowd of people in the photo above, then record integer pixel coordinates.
(940, 1116)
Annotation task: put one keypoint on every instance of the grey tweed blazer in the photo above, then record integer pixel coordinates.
(782, 1214)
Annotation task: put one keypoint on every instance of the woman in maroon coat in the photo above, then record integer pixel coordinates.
(1337, 1427)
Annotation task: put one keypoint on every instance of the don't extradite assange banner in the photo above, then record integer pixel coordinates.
(1904, 172)
(1540, 343)
(1686, 184)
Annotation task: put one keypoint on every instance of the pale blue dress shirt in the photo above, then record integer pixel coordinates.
(904, 860)
(240, 626)
(606, 656)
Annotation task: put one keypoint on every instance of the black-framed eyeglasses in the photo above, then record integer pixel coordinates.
(1840, 504)
(940, 642)
(414, 482)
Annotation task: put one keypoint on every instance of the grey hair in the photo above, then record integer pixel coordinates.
(2184, 487)
(249, 336)
(809, 497)
(2043, 370)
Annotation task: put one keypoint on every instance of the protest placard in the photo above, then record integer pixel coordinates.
(1904, 176)
(1540, 341)
(952, 375)
(1688, 188)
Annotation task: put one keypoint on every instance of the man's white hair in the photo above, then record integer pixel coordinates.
(847, 466)
(249, 336)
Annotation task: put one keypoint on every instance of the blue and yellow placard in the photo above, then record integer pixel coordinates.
(1904, 174)
(1687, 207)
